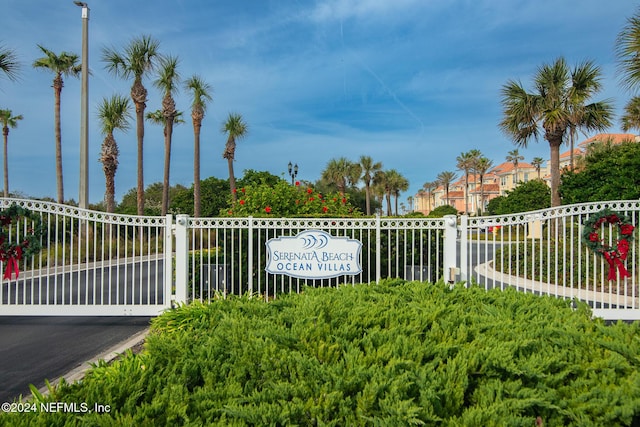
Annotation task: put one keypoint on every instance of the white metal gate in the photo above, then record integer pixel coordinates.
(544, 252)
(92, 263)
(95, 263)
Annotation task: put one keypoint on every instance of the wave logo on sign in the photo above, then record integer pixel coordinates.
(313, 254)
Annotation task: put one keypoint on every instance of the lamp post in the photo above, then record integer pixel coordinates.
(293, 171)
(84, 107)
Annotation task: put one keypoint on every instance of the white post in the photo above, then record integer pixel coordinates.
(464, 248)
(182, 258)
(250, 256)
(450, 237)
(378, 248)
(168, 261)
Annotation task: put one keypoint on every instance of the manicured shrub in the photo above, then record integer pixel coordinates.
(389, 354)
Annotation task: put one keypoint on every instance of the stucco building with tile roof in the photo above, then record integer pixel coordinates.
(502, 178)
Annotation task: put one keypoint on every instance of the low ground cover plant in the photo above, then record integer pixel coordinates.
(388, 354)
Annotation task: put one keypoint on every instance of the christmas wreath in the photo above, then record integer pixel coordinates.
(616, 251)
(14, 244)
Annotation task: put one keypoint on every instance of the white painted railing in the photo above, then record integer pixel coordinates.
(544, 252)
(103, 264)
(92, 263)
(228, 255)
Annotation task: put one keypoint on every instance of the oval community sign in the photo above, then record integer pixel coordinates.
(313, 254)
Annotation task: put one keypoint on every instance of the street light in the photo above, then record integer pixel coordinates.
(293, 171)
(84, 110)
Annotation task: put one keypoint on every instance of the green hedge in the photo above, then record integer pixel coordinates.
(393, 354)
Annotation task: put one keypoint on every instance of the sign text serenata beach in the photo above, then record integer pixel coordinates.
(313, 254)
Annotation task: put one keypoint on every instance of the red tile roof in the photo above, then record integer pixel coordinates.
(507, 167)
(567, 154)
(614, 138)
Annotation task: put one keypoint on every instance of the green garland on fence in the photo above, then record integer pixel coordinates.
(13, 249)
(616, 252)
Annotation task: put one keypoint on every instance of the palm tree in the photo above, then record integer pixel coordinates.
(557, 90)
(167, 82)
(396, 183)
(137, 60)
(369, 169)
(9, 64)
(465, 162)
(236, 129)
(157, 117)
(481, 167)
(387, 181)
(200, 94)
(428, 187)
(338, 172)
(65, 64)
(354, 174)
(393, 183)
(379, 187)
(113, 113)
(8, 120)
(631, 117)
(628, 53)
(445, 179)
(514, 157)
(537, 163)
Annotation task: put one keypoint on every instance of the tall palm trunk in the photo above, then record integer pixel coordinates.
(572, 139)
(139, 97)
(57, 90)
(5, 134)
(367, 193)
(482, 194)
(109, 159)
(466, 192)
(555, 141)
(388, 198)
(196, 115)
(169, 113)
(395, 199)
(229, 154)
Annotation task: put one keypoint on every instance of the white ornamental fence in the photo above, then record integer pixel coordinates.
(94, 263)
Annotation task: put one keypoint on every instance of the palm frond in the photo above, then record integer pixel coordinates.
(9, 63)
(114, 113)
(200, 91)
(628, 53)
(168, 76)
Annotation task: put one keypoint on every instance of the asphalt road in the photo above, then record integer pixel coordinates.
(34, 348)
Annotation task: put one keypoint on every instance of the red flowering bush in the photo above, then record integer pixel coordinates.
(285, 200)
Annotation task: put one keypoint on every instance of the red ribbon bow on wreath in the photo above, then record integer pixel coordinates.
(12, 262)
(615, 254)
(12, 251)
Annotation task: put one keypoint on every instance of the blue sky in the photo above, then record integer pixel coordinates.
(411, 83)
